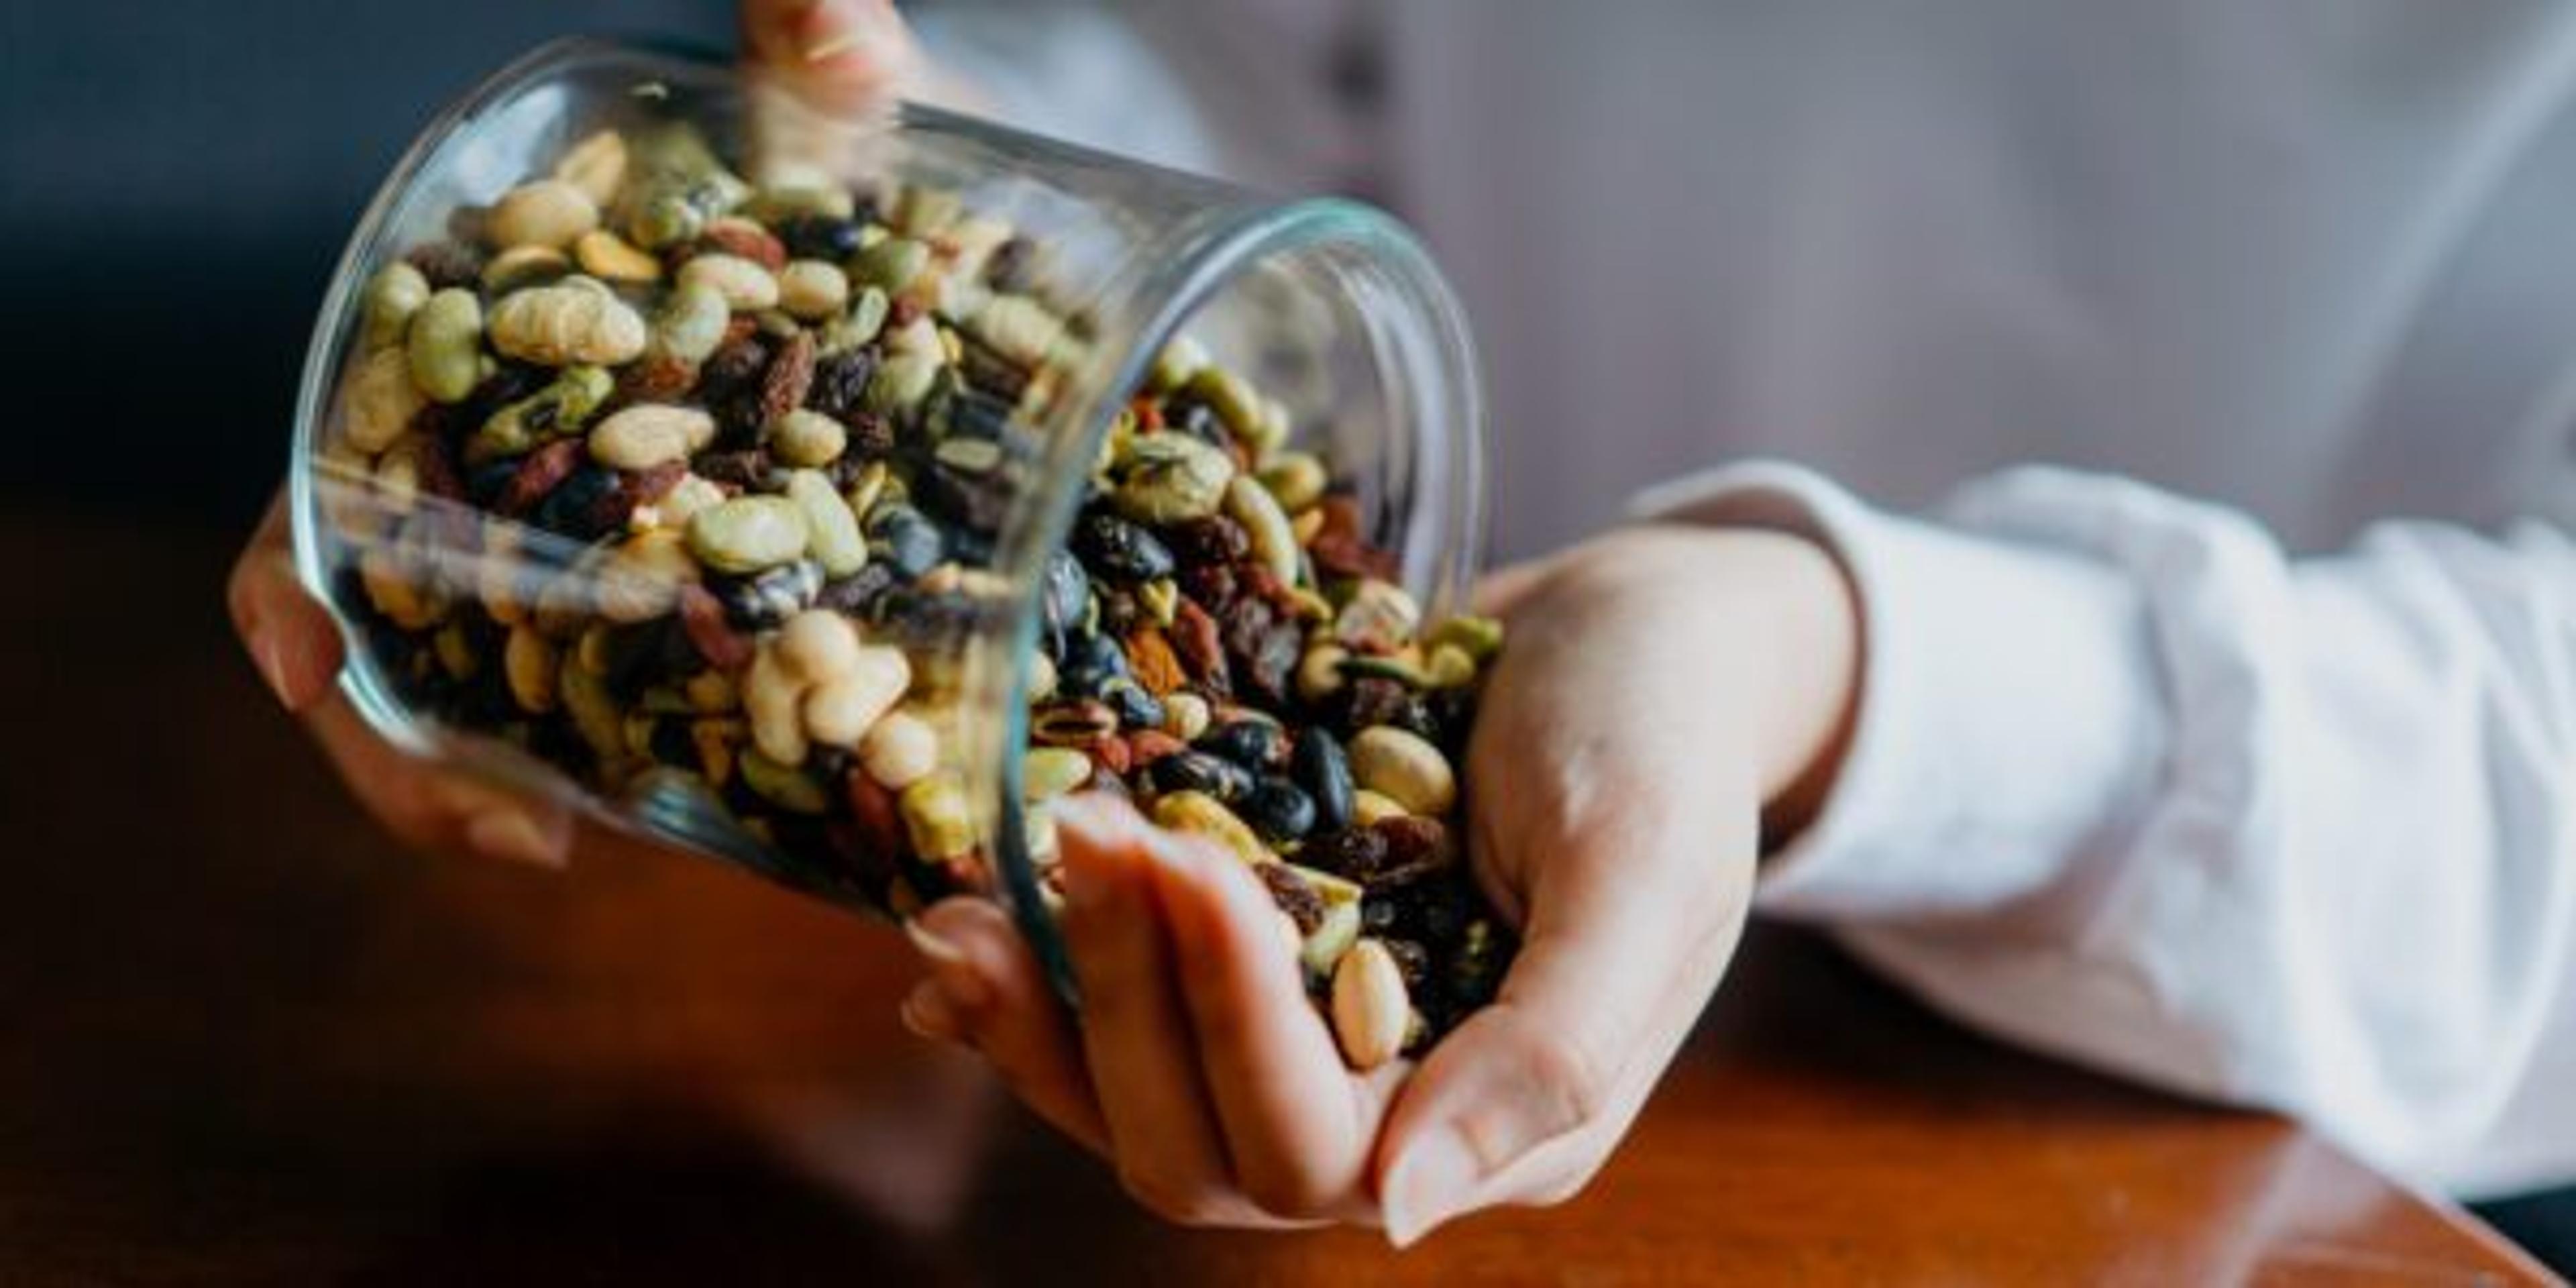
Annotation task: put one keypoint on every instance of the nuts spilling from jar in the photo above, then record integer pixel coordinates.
(688, 485)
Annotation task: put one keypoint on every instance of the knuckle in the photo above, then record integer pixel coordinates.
(1568, 1075)
(1173, 1202)
(1286, 1191)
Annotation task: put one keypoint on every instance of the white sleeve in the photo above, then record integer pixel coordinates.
(2131, 787)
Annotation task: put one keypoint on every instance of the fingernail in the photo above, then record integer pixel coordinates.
(509, 834)
(959, 981)
(1428, 1185)
(927, 1012)
(270, 657)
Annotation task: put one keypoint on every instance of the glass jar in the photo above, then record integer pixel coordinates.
(490, 618)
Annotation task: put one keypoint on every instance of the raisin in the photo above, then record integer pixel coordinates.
(1215, 539)
(789, 378)
(540, 472)
(1294, 895)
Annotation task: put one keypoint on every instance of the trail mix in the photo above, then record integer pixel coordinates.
(662, 476)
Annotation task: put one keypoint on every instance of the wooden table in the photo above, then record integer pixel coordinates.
(248, 1040)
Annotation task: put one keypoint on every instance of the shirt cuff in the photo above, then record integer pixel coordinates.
(2009, 712)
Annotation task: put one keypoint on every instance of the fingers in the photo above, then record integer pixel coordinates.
(291, 638)
(1296, 1126)
(1525, 1099)
(842, 57)
(987, 990)
(1136, 1029)
(430, 809)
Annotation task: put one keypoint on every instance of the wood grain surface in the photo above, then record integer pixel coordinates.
(245, 1039)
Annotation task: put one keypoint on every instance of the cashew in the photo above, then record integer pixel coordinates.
(548, 212)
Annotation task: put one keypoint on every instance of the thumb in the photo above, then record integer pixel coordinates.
(1629, 930)
(841, 57)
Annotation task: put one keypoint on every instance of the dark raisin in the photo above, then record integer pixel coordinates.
(769, 598)
(839, 383)
(1261, 650)
(1066, 592)
(1352, 853)
(1121, 550)
(1215, 539)
(1294, 895)
(588, 505)
(1089, 662)
(447, 264)
(742, 469)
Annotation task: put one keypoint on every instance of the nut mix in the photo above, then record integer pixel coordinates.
(663, 477)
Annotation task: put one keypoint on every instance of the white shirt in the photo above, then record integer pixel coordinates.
(2168, 762)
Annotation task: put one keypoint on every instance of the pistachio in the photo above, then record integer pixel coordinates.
(816, 645)
(1319, 672)
(1449, 667)
(1370, 1011)
(1169, 478)
(832, 531)
(594, 715)
(890, 265)
(1481, 638)
(548, 212)
(379, 401)
(770, 698)
(921, 209)
(900, 383)
(608, 257)
(596, 165)
(445, 345)
(528, 662)
(1234, 400)
(784, 786)
(839, 711)
(522, 266)
(1331, 938)
(1018, 328)
(1369, 808)
(1186, 716)
(748, 533)
(395, 293)
(691, 323)
(1161, 598)
(1249, 503)
(899, 750)
(1047, 772)
(866, 318)
(1296, 479)
(745, 285)
(553, 412)
(807, 438)
(936, 816)
(812, 290)
(1200, 814)
(686, 497)
(1180, 358)
(574, 321)
(649, 434)
(1379, 617)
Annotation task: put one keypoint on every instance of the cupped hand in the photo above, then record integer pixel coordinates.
(1660, 687)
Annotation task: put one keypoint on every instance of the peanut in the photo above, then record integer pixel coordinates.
(548, 212)
(1370, 1011)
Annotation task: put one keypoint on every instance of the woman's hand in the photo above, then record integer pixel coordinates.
(837, 56)
(1659, 687)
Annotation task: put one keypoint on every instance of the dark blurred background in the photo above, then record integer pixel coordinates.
(179, 178)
